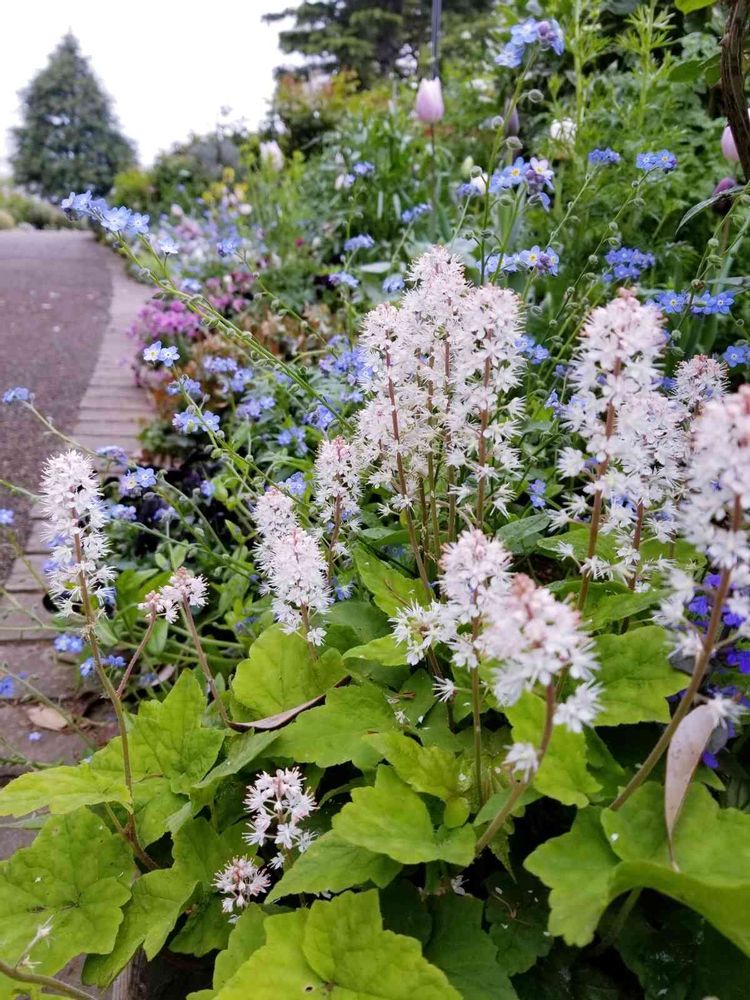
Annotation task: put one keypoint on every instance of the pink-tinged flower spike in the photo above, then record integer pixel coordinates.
(429, 104)
(240, 881)
(700, 379)
(534, 639)
(277, 804)
(337, 491)
(712, 517)
(719, 483)
(74, 509)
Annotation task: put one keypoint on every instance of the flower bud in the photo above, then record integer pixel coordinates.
(271, 155)
(512, 123)
(466, 167)
(728, 147)
(722, 206)
(429, 104)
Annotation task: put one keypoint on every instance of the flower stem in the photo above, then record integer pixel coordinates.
(56, 986)
(203, 661)
(136, 656)
(520, 786)
(699, 671)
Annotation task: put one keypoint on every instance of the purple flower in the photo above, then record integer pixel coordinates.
(537, 489)
(7, 517)
(343, 278)
(17, 395)
(392, 284)
(661, 160)
(606, 155)
(361, 242)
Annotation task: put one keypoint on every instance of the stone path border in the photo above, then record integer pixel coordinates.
(112, 412)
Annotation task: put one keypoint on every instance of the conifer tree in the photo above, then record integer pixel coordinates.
(69, 139)
(367, 36)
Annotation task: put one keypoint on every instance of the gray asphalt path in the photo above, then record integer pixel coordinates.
(55, 293)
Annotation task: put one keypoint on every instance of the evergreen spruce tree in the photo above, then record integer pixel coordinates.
(367, 36)
(69, 139)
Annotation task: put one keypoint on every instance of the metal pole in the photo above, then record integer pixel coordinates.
(437, 10)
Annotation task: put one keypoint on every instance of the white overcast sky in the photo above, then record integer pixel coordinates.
(168, 65)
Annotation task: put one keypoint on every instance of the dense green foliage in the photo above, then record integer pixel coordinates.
(68, 138)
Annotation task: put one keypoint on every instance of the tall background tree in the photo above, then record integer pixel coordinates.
(368, 36)
(69, 139)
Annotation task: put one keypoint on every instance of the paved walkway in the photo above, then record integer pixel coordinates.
(89, 394)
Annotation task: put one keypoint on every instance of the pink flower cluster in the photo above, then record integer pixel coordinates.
(160, 319)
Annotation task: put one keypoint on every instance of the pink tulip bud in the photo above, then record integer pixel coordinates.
(429, 105)
(728, 147)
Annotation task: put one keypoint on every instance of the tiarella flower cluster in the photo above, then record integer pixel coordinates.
(442, 370)
(183, 590)
(486, 614)
(278, 804)
(634, 438)
(718, 487)
(535, 638)
(240, 882)
(338, 488)
(698, 380)
(293, 566)
(76, 514)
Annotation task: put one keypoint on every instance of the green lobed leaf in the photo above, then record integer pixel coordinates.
(74, 876)
(384, 650)
(345, 944)
(464, 952)
(684, 957)
(390, 589)
(636, 675)
(331, 864)
(277, 970)
(517, 912)
(167, 738)
(339, 949)
(563, 774)
(578, 867)
(159, 898)
(62, 790)
(522, 536)
(281, 673)
(334, 733)
(239, 752)
(608, 853)
(616, 607)
(246, 936)
(389, 818)
(427, 769)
